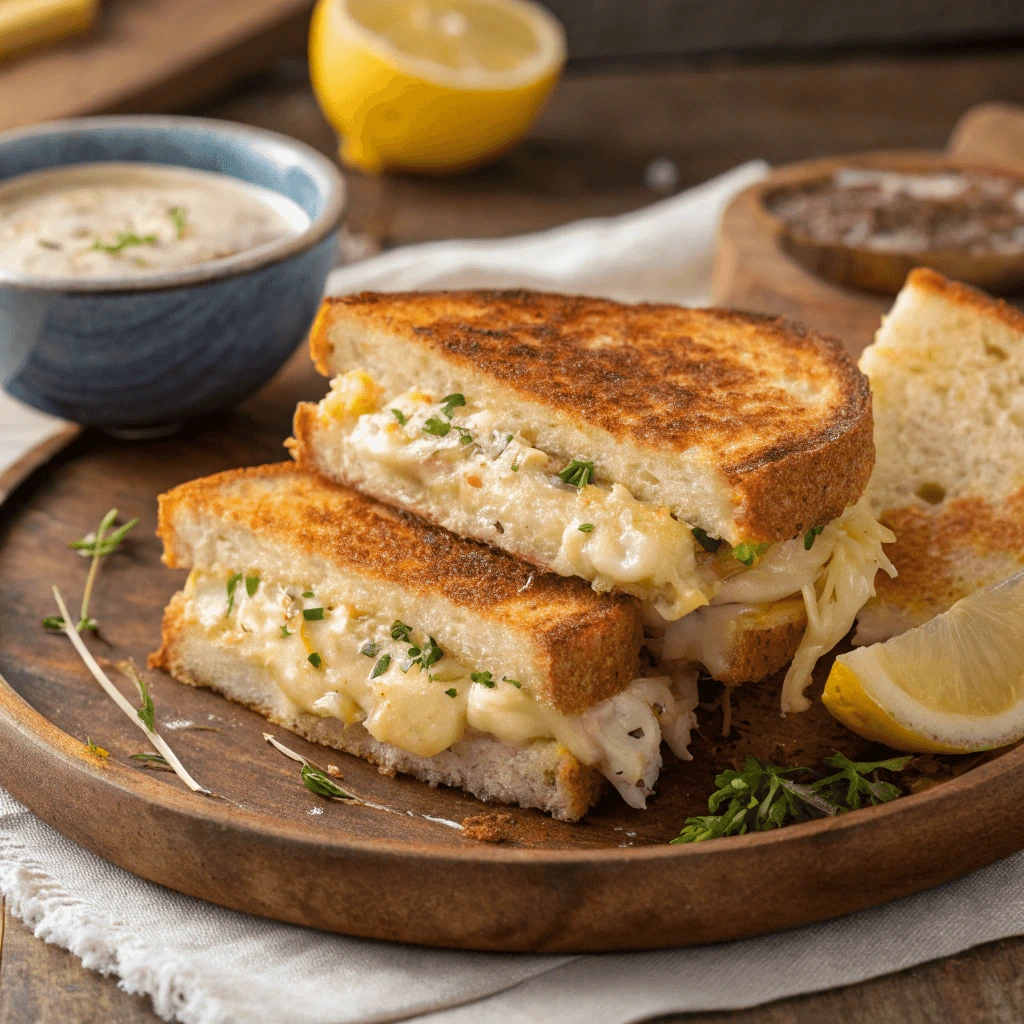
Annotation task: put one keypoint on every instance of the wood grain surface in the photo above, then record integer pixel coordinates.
(586, 157)
(159, 55)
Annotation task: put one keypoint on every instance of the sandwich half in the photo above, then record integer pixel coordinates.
(947, 372)
(707, 462)
(365, 629)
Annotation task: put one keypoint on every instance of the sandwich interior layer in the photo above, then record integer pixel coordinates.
(459, 463)
(337, 660)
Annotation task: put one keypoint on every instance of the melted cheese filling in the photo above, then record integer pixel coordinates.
(346, 664)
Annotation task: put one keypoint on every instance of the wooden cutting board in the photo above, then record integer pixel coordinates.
(753, 271)
(151, 56)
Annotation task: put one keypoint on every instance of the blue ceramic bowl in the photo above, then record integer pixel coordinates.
(140, 355)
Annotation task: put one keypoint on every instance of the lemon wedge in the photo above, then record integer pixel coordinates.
(952, 686)
(431, 85)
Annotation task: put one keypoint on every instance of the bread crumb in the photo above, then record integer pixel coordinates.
(489, 828)
(333, 769)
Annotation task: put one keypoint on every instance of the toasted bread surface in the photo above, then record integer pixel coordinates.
(583, 646)
(947, 369)
(544, 775)
(779, 414)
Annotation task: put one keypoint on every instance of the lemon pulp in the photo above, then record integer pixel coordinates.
(952, 685)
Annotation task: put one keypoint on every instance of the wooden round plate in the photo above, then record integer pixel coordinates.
(267, 846)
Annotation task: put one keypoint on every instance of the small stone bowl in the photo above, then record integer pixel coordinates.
(139, 356)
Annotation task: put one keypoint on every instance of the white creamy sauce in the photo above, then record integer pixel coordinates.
(126, 219)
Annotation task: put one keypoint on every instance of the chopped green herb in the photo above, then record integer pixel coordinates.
(465, 437)
(436, 427)
(451, 402)
(579, 473)
(315, 660)
(157, 761)
(586, 527)
(748, 554)
(53, 622)
(483, 678)
(381, 667)
(370, 649)
(400, 416)
(426, 656)
(147, 713)
(763, 796)
(124, 239)
(178, 215)
(515, 468)
(515, 682)
(319, 782)
(285, 631)
(711, 544)
(508, 440)
(312, 614)
(810, 535)
(251, 584)
(308, 593)
(452, 692)
(233, 582)
(400, 631)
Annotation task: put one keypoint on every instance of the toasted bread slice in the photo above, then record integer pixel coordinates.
(947, 372)
(542, 775)
(748, 427)
(308, 600)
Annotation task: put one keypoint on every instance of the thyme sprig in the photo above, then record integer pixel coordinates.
(314, 778)
(142, 717)
(95, 545)
(763, 796)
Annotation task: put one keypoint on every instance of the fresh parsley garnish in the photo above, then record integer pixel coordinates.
(285, 631)
(450, 402)
(439, 428)
(748, 554)
(579, 473)
(123, 239)
(381, 667)
(400, 631)
(233, 580)
(400, 416)
(810, 535)
(515, 682)
(370, 649)
(483, 678)
(251, 584)
(763, 796)
(429, 654)
(452, 692)
(312, 614)
(315, 660)
(586, 527)
(711, 544)
(178, 215)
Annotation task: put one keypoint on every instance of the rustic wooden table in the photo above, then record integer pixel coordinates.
(588, 156)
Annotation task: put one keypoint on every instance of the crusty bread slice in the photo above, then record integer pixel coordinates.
(569, 647)
(543, 775)
(749, 427)
(947, 372)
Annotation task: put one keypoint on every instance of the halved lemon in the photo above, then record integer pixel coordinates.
(952, 686)
(431, 85)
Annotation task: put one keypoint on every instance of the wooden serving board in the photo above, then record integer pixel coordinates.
(267, 846)
(753, 270)
(150, 56)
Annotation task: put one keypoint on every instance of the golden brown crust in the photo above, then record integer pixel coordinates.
(660, 377)
(765, 641)
(963, 295)
(587, 643)
(945, 555)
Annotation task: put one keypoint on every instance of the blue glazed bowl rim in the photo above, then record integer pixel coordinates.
(328, 178)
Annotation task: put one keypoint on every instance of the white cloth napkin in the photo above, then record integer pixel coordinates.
(201, 964)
